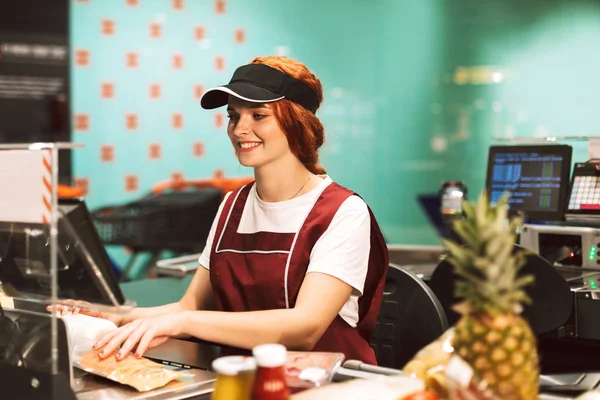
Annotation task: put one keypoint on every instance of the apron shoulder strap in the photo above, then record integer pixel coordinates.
(240, 194)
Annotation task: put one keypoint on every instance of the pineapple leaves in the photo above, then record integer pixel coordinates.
(467, 232)
(468, 210)
(485, 261)
(458, 253)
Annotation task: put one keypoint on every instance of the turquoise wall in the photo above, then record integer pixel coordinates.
(401, 112)
(547, 54)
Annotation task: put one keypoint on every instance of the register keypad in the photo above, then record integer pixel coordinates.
(586, 192)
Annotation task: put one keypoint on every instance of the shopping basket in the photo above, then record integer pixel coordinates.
(178, 221)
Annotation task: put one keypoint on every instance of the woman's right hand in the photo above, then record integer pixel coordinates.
(83, 307)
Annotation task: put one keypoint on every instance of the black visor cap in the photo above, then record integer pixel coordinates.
(259, 83)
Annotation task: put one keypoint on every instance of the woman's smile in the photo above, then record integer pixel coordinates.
(247, 146)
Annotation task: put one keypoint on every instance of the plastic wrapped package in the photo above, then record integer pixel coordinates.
(305, 370)
(84, 331)
(429, 364)
(140, 373)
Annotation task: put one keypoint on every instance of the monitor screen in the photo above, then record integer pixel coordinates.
(25, 258)
(535, 177)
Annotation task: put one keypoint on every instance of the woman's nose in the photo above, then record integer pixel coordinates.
(242, 126)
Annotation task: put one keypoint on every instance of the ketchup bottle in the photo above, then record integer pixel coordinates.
(269, 382)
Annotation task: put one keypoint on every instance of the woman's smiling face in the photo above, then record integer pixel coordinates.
(255, 133)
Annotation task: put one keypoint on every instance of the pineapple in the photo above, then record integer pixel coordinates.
(491, 336)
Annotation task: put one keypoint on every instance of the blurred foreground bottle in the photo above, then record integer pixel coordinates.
(235, 377)
(270, 383)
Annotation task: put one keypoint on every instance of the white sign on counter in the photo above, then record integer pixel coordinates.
(25, 186)
(594, 148)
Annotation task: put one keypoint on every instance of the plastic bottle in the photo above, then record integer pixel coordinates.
(270, 383)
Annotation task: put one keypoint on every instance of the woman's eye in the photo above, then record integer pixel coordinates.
(259, 116)
(232, 117)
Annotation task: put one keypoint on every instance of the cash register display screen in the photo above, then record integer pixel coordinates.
(536, 179)
(585, 189)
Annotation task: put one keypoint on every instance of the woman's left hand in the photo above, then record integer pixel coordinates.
(146, 333)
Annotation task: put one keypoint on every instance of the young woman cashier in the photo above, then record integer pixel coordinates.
(294, 258)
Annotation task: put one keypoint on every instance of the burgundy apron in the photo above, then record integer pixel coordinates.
(248, 271)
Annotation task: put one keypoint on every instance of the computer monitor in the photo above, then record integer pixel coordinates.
(536, 178)
(25, 258)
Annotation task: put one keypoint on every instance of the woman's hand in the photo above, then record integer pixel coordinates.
(141, 334)
(83, 307)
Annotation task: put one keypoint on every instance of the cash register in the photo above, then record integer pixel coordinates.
(573, 246)
(562, 217)
(561, 211)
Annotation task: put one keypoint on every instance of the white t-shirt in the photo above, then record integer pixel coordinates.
(342, 251)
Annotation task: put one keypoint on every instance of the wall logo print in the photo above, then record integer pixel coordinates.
(198, 91)
(82, 122)
(131, 121)
(178, 4)
(131, 60)
(177, 121)
(154, 151)
(155, 91)
(219, 63)
(240, 36)
(219, 119)
(107, 90)
(131, 183)
(177, 61)
(107, 153)
(177, 176)
(198, 149)
(108, 27)
(199, 33)
(155, 30)
(82, 58)
(220, 6)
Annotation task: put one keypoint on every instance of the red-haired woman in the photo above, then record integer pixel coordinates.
(293, 258)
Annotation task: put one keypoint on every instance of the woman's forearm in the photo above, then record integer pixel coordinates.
(147, 312)
(198, 296)
(248, 329)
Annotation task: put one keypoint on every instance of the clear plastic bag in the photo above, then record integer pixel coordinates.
(463, 384)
